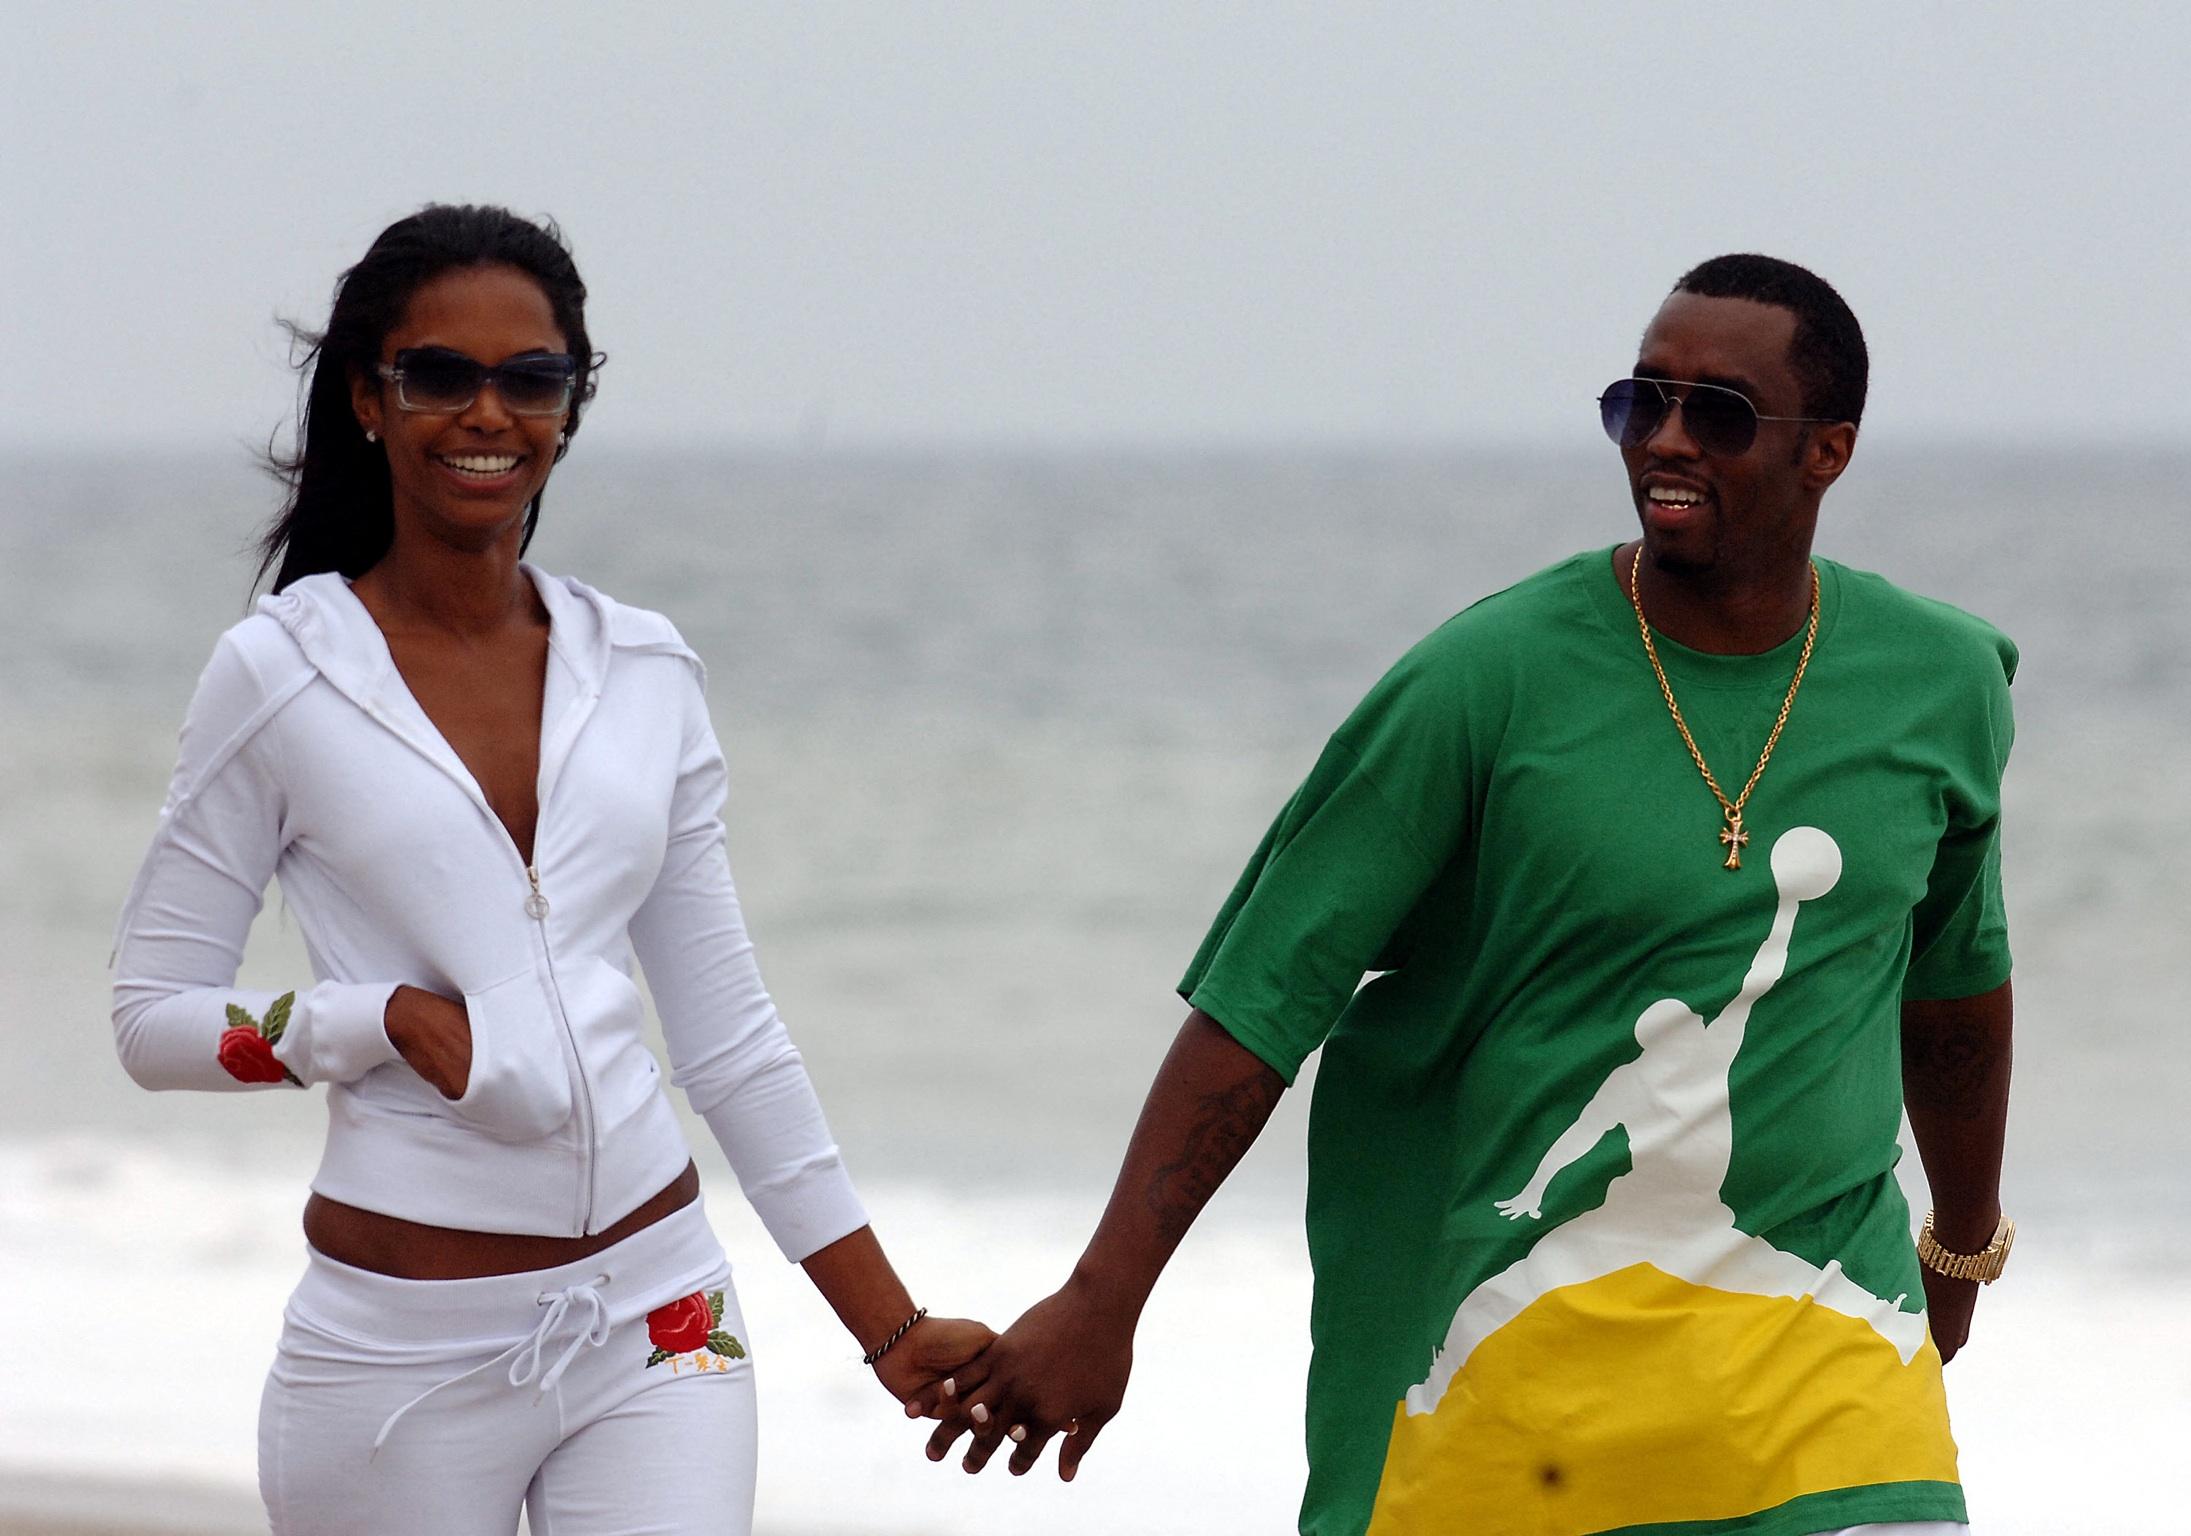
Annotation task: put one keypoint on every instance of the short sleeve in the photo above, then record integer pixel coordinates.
(1386, 807)
(1959, 930)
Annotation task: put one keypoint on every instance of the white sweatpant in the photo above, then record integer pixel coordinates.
(532, 1389)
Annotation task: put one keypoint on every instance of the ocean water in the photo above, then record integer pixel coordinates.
(1001, 730)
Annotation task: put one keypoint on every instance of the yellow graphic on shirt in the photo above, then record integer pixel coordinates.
(1639, 1397)
(1649, 1360)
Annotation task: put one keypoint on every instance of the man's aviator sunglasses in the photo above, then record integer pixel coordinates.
(1721, 421)
(437, 379)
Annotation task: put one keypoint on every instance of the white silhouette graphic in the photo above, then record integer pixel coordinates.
(1666, 1210)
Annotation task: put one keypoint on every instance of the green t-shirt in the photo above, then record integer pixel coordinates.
(1601, 1200)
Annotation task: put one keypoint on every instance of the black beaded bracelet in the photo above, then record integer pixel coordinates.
(904, 1328)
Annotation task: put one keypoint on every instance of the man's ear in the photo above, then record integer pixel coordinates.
(1826, 452)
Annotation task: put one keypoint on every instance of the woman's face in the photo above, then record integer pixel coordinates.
(465, 476)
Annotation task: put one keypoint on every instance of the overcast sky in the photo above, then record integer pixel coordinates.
(1165, 223)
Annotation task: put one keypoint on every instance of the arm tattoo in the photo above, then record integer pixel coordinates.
(1224, 1124)
(1951, 1066)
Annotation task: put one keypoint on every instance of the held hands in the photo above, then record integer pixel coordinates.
(434, 1035)
(913, 1369)
(1061, 1369)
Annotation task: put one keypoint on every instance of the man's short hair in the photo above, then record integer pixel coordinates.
(1827, 350)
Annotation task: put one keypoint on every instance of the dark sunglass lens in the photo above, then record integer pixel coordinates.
(1721, 421)
(434, 380)
(1630, 410)
(536, 386)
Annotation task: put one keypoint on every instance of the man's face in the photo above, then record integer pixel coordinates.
(1715, 514)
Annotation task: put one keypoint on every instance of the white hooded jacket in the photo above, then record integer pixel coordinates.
(304, 755)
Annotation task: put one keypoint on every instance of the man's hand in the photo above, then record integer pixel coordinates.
(915, 1367)
(1955, 1074)
(434, 1035)
(1061, 1368)
(1948, 1306)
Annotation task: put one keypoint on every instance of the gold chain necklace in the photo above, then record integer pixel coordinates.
(1732, 834)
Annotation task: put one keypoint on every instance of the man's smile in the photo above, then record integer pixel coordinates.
(1672, 499)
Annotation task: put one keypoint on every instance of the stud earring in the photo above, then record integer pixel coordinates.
(371, 436)
(562, 439)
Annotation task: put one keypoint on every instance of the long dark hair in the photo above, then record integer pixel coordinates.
(338, 514)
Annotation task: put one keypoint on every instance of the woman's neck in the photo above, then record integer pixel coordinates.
(425, 582)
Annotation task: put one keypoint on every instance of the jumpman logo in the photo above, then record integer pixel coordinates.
(1666, 1210)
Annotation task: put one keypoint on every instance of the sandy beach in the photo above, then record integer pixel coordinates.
(45, 1504)
(42, 1505)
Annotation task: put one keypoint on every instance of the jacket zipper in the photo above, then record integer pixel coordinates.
(536, 908)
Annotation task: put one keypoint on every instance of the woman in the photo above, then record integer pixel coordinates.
(485, 791)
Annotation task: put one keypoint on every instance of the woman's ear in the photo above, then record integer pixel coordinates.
(365, 402)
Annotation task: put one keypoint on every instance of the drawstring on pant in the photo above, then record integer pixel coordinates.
(529, 1350)
(595, 1334)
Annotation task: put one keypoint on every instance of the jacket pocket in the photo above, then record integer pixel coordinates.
(608, 1023)
(519, 1088)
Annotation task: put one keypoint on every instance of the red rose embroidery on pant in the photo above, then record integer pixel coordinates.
(248, 1056)
(682, 1326)
(693, 1325)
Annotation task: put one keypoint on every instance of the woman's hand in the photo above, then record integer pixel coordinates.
(854, 1276)
(931, 1352)
(434, 1035)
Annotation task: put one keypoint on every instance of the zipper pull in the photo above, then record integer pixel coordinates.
(536, 905)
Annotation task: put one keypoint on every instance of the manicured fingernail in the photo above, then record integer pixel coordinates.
(950, 1386)
(979, 1413)
(1019, 1432)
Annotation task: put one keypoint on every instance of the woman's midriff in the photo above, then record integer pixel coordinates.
(412, 1250)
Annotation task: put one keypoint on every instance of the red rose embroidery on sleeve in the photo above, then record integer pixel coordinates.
(246, 1048)
(248, 1056)
(682, 1326)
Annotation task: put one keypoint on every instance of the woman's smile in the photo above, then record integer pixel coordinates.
(466, 474)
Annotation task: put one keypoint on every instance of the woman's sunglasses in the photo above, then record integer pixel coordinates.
(1721, 421)
(437, 379)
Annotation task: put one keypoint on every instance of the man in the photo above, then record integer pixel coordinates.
(1676, 866)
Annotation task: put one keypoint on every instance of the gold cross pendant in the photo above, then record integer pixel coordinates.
(1735, 838)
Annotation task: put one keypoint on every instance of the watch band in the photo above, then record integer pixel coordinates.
(1983, 1266)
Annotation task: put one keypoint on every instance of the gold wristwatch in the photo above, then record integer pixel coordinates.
(1983, 1266)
